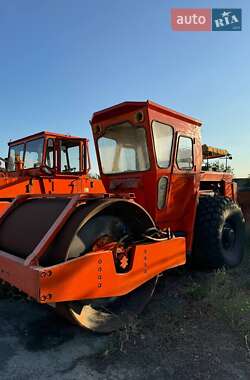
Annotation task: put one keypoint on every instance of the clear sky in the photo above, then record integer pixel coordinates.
(61, 60)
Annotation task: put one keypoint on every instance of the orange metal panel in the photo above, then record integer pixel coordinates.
(4, 206)
(94, 275)
(13, 271)
(11, 186)
(216, 176)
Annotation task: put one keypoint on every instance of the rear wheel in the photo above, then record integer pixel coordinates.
(108, 314)
(219, 233)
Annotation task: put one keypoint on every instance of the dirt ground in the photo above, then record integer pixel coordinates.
(196, 327)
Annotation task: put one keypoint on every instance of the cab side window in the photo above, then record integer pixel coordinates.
(70, 156)
(185, 155)
(16, 157)
(163, 139)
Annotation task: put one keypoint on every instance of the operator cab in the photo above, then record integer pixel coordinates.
(49, 154)
(153, 152)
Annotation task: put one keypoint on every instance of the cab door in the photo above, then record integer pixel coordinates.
(182, 198)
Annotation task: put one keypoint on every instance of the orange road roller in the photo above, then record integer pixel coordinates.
(96, 257)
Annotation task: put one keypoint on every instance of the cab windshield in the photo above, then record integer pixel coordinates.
(123, 148)
(33, 156)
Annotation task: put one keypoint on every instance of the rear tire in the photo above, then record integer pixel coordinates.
(219, 234)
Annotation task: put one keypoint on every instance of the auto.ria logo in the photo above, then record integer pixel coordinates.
(206, 19)
(226, 20)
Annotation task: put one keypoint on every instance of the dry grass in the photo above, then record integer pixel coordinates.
(226, 294)
(231, 300)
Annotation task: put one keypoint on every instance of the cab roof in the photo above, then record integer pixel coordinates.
(129, 106)
(43, 134)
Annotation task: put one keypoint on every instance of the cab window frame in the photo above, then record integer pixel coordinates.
(25, 150)
(14, 163)
(177, 151)
(172, 145)
(80, 163)
(54, 152)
